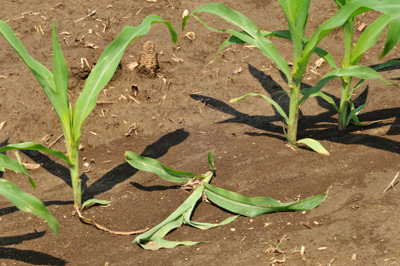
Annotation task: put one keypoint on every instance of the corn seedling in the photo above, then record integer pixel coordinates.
(200, 184)
(22, 200)
(55, 85)
(296, 13)
(353, 54)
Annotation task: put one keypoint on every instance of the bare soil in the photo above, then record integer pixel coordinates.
(179, 115)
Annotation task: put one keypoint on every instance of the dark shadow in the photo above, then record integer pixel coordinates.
(362, 98)
(8, 210)
(28, 256)
(50, 165)
(274, 90)
(117, 175)
(259, 122)
(124, 171)
(153, 188)
(389, 68)
(322, 126)
(13, 240)
(395, 127)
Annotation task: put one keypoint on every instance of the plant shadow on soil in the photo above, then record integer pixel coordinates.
(28, 256)
(117, 175)
(314, 128)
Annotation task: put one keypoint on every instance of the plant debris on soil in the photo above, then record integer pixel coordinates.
(174, 108)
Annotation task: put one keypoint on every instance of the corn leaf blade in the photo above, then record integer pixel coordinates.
(152, 238)
(93, 202)
(42, 74)
(274, 104)
(151, 165)
(314, 145)
(27, 203)
(347, 11)
(106, 66)
(251, 34)
(36, 147)
(368, 38)
(362, 72)
(8, 163)
(60, 70)
(393, 34)
(255, 206)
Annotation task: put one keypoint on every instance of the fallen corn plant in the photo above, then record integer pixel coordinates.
(55, 85)
(202, 190)
(22, 200)
(296, 13)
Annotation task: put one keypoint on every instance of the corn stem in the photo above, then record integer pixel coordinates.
(74, 172)
(294, 112)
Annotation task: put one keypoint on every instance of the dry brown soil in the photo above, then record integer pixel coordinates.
(177, 120)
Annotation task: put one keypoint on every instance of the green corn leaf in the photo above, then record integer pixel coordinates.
(60, 70)
(296, 13)
(368, 38)
(274, 104)
(60, 75)
(36, 147)
(23, 168)
(376, 68)
(255, 206)
(160, 243)
(8, 163)
(27, 203)
(326, 98)
(352, 71)
(20, 199)
(250, 33)
(314, 145)
(353, 115)
(42, 74)
(93, 202)
(151, 238)
(393, 34)
(106, 66)
(205, 226)
(210, 159)
(17, 166)
(285, 34)
(151, 165)
(348, 11)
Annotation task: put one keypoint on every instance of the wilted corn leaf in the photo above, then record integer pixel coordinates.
(151, 165)
(255, 206)
(153, 239)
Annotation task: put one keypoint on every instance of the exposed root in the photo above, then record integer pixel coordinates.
(100, 227)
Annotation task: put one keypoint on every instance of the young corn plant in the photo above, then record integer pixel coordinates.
(202, 190)
(22, 200)
(55, 86)
(353, 54)
(296, 13)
